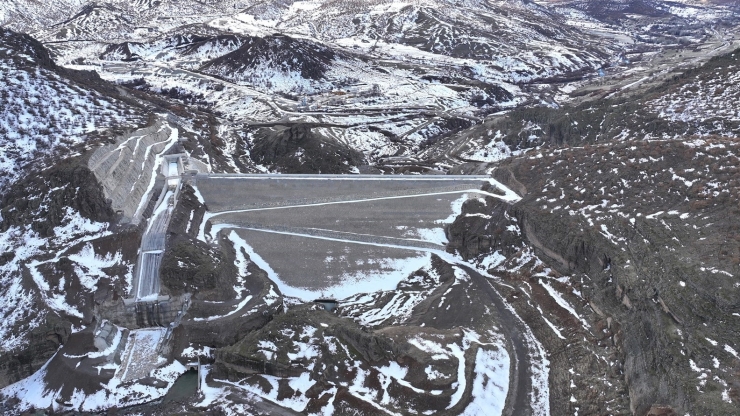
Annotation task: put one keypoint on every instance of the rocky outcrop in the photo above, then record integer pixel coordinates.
(190, 265)
(472, 235)
(44, 342)
(68, 184)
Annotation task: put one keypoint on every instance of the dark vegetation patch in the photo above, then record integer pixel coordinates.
(21, 44)
(176, 94)
(301, 149)
(278, 52)
(491, 95)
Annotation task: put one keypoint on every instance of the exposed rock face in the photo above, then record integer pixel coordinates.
(470, 236)
(197, 329)
(44, 342)
(42, 202)
(194, 266)
(125, 52)
(66, 185)
(191, 266)
(125, 168)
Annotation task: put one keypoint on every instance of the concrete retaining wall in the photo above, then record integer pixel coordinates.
(133, 315)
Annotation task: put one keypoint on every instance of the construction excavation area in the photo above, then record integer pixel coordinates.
(268, 243)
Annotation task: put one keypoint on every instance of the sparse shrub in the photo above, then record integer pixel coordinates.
(699, 205)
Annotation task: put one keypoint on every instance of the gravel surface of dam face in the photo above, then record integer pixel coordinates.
(336, 235)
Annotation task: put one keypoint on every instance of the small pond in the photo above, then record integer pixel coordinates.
(184, 388)
(328, 304)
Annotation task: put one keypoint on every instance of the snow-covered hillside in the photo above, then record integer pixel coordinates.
(706, 99)
(55, 239)
(44, 113)
(367, 68)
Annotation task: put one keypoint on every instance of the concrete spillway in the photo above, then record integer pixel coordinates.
(128, 171)
(146, 284)
(148, 281)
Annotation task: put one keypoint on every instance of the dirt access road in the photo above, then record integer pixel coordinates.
(520, 378)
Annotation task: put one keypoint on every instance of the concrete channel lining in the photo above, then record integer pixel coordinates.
(153, 243)
(350, 177)
(416, 221)
(344, 232)
(319, 267)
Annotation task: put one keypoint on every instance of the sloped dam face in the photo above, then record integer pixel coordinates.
(345, 234)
